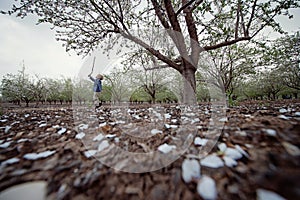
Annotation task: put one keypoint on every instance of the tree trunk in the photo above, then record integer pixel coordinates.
(189, 86)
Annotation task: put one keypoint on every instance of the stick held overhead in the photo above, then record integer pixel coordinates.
(93, 66)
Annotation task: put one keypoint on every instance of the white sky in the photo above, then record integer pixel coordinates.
(21, 39)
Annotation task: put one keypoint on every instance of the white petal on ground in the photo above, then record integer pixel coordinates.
(62, 131)
(56, 126)
(263, 194)
(270, 132)
(291, 149)
(165, 148)
(233, 153)
(200, 141)
(10, 161)
(195, 120)
(3, 120)
(110, 135)
(5, 145)
(173, 126)
(206, 188)
(83, 126)
(35, 156)
(282, 110)
(117, 140)
(212, 161)
(167, 126)
(174, 120)
(283, 117)
(42, 125)
(98, 137)
(103, 145)
(158, 115)
(7, 128)
(229, 162)
(190, 170)
(102, 124)
(29, 190)
(222, 147)
(241, 133)
(22, 140)
(90, 153)
(155, 131)
(80, 135)
(167, 116)
(241, 150)
(120, 122)
(136, 116)
(297, 114)
(224, 119)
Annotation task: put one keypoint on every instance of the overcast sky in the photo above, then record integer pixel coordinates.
(22, 40)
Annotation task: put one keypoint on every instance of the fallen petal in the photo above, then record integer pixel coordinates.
(270, 132)
(165, 148)
(212, 161)
(5, 145)
(98, 137)
(30, 190)
(155, 131)
(62, 131)
(103, 145)
(291, 149)
(80, 135)
(190, 170)
(233, 153)
(229, 162)
(263, 194)
(10, 161)
(90, 153)
(282, 110)
(206, 188)
(200, 141)
(35, 156)
(241, 150)
(222, 147)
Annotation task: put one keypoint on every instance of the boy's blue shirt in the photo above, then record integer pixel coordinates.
(97, 84)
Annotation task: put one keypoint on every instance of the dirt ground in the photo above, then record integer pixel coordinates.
(267, 135)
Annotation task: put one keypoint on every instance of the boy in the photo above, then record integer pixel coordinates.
(97, 89)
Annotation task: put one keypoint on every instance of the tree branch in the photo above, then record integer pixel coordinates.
(154, 52)
(226, 43)
(251, 17)
(194, 40)
(159, 14)
(184, 7)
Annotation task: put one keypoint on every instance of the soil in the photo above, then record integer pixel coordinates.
(267, 131)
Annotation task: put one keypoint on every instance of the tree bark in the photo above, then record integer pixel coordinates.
(189, 86)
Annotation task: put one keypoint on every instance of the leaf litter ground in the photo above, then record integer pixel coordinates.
(256, 155)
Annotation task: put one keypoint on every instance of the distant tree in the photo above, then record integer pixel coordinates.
(82, 91)
(271, 83)
(120, 85)
(230, 65)
(54, 89)
(67, 91)
(151, 81)
(39, 89)
(19, 87)
(284, 53)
